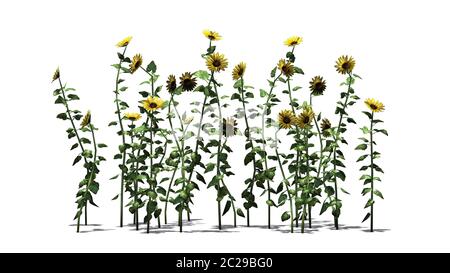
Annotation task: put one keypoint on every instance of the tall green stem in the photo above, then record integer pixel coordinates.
(263, 138)
(371, 172)
(168, 192)
(286, 182)
(307, 180)
(119, 117)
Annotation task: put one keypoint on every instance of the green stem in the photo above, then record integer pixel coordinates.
(119, 117)
(263, 125)
(371, 172)
(307, 182)
(230, 196)
(286, 182)
(167, 194)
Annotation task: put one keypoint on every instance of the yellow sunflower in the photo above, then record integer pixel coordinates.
(286, 119)
(55, 75)
(317, 85)
(238, 71)
(212, 35)
(325, 125)
(345, 64)
(86, 119)
(305, 118)
(374, 105)
(135, 63)
(216, 62)
(124, 42)
(133, 116)
(286, 68)
(293, 41)
(188, 81)
(171, 83)
(152, 103)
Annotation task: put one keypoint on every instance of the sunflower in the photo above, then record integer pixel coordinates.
(286, 119)
(212, 35)
(133, 116)
(152, 103)
(238, 71)
(188, 81)
(345, 64)
(171, 83)
(187, 120)
(124, 42)
(293, 41)
(325, 125)
(135, 63)
(216, 62)
(229, 127)
(374, 105)
(286, 67)
(317, 85)
(86, 119)
(305, 118)
(55, 75)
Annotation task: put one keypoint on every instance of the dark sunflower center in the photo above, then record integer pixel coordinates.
(373, 107)
(153, 105)
(319, 85)
(211, 37)
(216, 63)
(306, 119)
(287, 120)
(345, 65)
(293, 42)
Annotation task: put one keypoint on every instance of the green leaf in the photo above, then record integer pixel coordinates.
(102, 145)
(285, 216)
(366, 217)
(344, 191)
(262, 93)
(383, 131)
(369, 203)
(62, 116)
(115, 197)
(209, 167)
(94, 186)
(112, 123)
(366, 191)
(151, 67)
(114, 177)
(227, 207)
(361, 158)
(74, 146)
(76, 160)
(249, 157)
(73, 97)
(240, 213)
(365, 130)
(202, 74)
(350, 120)
(270, 203)
(378, 193)
(361, 147)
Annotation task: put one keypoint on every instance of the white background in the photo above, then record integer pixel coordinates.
(401, 50)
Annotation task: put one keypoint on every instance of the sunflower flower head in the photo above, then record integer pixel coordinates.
(124, 42)
(212, 35)
(188, 81)
(86, 119)
(171, 84)
(229, 127)
(152, 103)
(187, 120)
(56, 75)
(325, 126)
(135, 63)
(286, 68)
(374, 105)
(238, 71)
(216, 62)
(317, 85)
(293, 41)
(345, 64)
(286, 119)
(133, 116)
(305, 118)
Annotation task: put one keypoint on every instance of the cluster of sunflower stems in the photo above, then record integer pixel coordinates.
(164, 155)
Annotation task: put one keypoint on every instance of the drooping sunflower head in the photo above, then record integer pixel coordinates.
(86, 119)
(238, 71)
(56, 75)
(124, 42)
(229, 127)
(135, 63)
(305, 118)
(286, 68)
(152, 103)
(286, 119)
(374, 105)
(133, 116)
(345, 64)
(325, 126)
(216, 62)
(171, 83)
(188, 81)
(293, 41)
(317, 85)
(212, 35)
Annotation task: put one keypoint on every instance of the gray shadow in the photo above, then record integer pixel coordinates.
(95, 230)
(377, 230)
